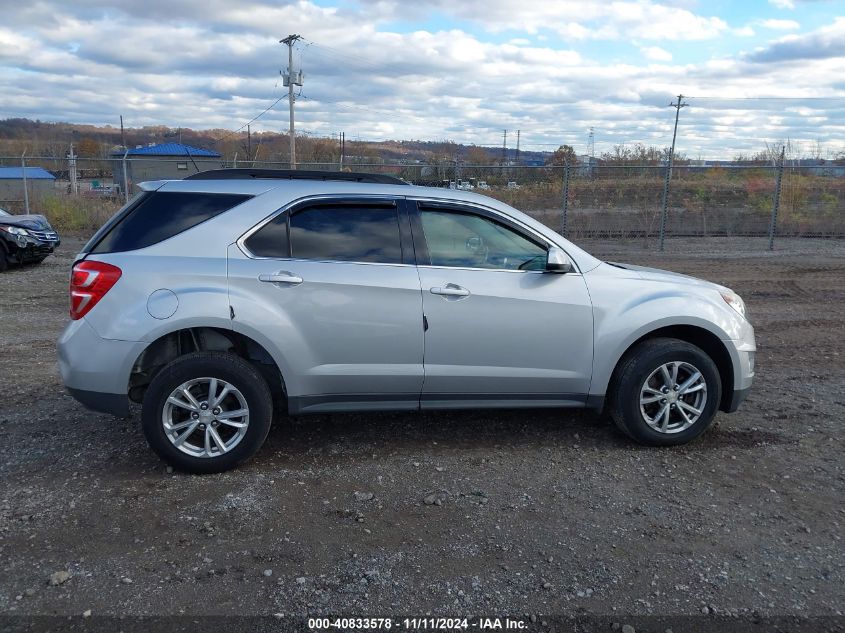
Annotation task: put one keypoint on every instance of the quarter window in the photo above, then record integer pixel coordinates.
(160, 215)
(271, 240)
(346, 233)
(465, 240)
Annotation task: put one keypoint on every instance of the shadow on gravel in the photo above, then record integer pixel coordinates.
(440, 431)
(722, 437)
(480, 430)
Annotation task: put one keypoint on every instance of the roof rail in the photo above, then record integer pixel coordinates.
(294, 174)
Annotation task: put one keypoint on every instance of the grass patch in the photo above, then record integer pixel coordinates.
(75, 213)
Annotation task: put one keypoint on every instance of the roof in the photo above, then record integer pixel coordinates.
(294, 174)
(32, 173)
(168, 149)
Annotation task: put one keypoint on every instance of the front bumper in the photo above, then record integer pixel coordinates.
(743, 357)
(738, 397)
(37, 251)
(26, 248)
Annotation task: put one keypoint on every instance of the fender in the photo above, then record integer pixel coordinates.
(621, 326)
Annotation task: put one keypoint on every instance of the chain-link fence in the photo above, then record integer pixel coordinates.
(594, 200)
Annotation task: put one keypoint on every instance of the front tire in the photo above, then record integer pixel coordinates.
(665, 392)
(207, 412)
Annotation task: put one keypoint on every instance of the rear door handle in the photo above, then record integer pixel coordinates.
(281, 277)
(450, 290)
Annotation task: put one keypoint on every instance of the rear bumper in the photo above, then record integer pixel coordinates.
(113, 403)
(96, 370)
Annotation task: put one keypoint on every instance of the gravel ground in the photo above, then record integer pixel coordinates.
(515, 512)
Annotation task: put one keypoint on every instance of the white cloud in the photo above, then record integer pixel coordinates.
(657, 54)
(571, 19)
(744, 31)
(783, 4)
(780, 25)
(214, 63)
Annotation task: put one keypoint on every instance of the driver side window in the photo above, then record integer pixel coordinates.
(465, 240)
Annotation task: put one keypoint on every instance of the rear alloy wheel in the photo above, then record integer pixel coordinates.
(665, 392)
(205, 417)
(207, 412)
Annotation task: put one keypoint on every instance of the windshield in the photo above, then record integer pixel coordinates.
(2, 212)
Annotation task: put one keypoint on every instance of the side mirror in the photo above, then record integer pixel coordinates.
(557, 261)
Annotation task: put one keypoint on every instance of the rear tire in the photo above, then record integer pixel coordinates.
(665, 392)
(181, 407)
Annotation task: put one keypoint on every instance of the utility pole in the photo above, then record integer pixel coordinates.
(677, 107)
(505, 147)
(517, 148)
(669, 165)
(71, 163)
(290, 80)
(248, 143)
(342, 149)
(25, 188)
(776, 203)
(122, 134)
(591, 145)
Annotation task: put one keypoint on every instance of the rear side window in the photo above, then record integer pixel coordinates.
(161, 215)
(347, 233)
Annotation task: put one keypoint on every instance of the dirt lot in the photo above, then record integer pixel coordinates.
(539, 512)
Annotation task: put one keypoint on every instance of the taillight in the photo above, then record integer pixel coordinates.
(89, 282)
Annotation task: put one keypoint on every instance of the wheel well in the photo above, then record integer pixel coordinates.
(175, 344)
(708, 342)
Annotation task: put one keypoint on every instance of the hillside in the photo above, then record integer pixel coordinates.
(48, 139)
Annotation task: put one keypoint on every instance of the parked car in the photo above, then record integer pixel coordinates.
(220, 299)
(25, 239)
(513, 185)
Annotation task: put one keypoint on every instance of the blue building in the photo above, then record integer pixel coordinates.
(39, 181)
(166, 161)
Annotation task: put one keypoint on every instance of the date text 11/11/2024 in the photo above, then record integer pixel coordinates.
(417, 624)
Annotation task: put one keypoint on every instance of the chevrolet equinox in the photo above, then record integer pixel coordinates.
(217, 300)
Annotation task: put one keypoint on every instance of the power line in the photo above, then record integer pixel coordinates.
(330, 50)
(252, 120)
(831, 98)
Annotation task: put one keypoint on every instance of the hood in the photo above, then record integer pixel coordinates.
(34, 221)
(655, 274)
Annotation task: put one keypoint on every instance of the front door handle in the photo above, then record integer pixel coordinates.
(281, 277)
(450, 290)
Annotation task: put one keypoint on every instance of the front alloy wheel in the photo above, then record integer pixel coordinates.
(665, 392)
(673, 397)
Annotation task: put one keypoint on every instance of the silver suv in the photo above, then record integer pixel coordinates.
(220, 299)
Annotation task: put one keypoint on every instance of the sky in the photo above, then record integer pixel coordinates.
(752, 71)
